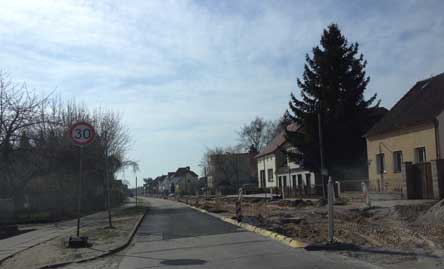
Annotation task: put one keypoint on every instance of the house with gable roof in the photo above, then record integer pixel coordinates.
(276, 170)
(405, 147)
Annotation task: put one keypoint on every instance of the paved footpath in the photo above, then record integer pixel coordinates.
(44, 232)
(174, 235)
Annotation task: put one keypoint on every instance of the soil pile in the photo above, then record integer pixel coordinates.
(434, 215)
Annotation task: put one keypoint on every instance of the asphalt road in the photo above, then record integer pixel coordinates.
(175, 236)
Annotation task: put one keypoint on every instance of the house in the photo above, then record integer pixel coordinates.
(229, 171)
(404, 148)
(276, 170)
(184, 181)
(165, 183)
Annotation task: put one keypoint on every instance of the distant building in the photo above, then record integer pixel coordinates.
(276, 170)
(229, 171)
(184, 181)
(166, 181)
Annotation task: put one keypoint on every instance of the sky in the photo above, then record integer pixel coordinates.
(186, 75)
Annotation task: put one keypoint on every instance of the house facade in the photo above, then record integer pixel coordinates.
(165, 183)
(404, 148)
(276, 170)
(184, 181)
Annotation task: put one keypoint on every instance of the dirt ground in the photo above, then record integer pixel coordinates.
(101, 237)
(395, 235)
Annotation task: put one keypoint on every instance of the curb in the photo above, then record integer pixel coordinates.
(28, 247)
(293, 243)
(106, 253)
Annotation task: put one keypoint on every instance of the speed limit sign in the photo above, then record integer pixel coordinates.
(82, 133)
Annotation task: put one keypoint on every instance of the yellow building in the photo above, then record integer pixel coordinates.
(409, 134)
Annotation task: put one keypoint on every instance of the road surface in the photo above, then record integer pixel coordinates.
(175, 236)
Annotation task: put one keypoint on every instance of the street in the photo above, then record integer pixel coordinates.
(173, 234)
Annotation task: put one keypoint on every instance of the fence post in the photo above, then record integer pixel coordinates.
(338, 184)
(239, 206)
(365, 194)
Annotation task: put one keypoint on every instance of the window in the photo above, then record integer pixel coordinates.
(294, 180)
(397, 161)
(420, 155)
(279, 182)
(380, 163)
(284, 178)
(270, 175)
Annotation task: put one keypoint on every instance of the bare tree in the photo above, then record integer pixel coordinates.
(256, 134)
(20, 115)
(33, 146)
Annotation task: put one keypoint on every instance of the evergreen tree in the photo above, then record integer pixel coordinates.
(333, 83)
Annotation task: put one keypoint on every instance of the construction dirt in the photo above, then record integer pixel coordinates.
(395, 236)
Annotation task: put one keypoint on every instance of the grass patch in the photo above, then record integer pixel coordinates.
(130, 211)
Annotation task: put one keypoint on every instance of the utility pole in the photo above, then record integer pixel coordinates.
(331, 194)
(136, 191)
(321, 150)
(206, 181)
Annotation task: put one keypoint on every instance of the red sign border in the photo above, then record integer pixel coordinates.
(89, 141)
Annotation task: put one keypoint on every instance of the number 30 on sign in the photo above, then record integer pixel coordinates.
(82, 133)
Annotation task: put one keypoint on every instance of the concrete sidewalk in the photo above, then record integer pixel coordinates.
(44, 232)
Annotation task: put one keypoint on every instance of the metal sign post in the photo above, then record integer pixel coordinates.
(79, 191)
(81, 134)
(136, 191)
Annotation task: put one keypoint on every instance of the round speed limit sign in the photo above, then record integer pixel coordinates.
(82, 133)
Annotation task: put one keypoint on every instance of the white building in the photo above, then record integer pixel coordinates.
(276, 170)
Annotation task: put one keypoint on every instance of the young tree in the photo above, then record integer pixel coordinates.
(332, 85)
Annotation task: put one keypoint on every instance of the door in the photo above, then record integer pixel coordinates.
(425, 177)
(308, 182)
(300, 183)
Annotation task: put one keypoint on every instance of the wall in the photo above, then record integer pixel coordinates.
(267, 162)
(304, 175)
(231, 169)
(405, 141)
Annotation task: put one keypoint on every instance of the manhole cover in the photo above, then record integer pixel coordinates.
(183, 262)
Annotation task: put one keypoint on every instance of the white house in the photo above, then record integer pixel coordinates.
(275, 168)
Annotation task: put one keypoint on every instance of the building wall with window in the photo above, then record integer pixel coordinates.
(270, 163)
(383, 151)
(266, 164)
(296, 179)
(440, 131)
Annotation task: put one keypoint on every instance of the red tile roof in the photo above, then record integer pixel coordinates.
(277, 141)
